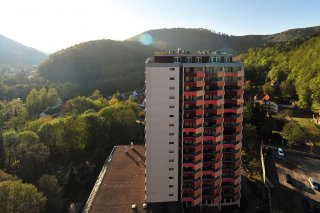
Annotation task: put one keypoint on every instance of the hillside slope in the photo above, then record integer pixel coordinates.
(295, 65)
(195, 39)
(103, 64)
(13, 53)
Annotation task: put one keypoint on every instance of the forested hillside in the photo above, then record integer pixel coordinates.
(14, 53)
(197, 39)
(104, 64)
(294, 67)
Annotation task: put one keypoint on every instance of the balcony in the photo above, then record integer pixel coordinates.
(214, 92)
(197, 130)
(196, 93)
(233, 101)
(217, 102)
(235, 74)
(233, 118)
(214, 111)
(199, 74)
(219, 83)
(232, 136)
(213, 138)
(215, 74)
(234, 92)
(216, 129)
(234, 145)
(234, 83)
(233, 128)
(236, 110)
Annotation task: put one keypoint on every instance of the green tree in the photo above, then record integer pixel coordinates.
(293, 133)
(19, 197)
(2, 152)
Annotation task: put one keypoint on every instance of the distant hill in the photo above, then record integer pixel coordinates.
(199, 39)
(13, 53)
(114, 65)
(103, 64)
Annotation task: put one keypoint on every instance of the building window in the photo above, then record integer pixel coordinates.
(171, 177)
(199, 59)
(171, 97)
(171, 116)
(170, 186)
(171, 78)
(171, 133)
(171, 169)
(171, 160)
(171, 142)
(171, 124)
(171, 151)
(172, 69)
(171, 106)
(171, 88)
(170, 195)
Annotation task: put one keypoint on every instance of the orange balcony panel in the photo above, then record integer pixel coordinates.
(235, 101)
(199, 121)
(217, 182)
(200, 74)
(236, 74)
(217, 165)
(199, 130)
(237, 172)
(236, 119)
(200, 83)
(217, 173)
(218, 147)
(199, 112)
(214, 102)
(197, 201)
(197, 183)
(235, 83)
(198, 149)
(188, 165)
(215, 92)
(197, 192)
(187, 199)
(217, 191)
(238, 146)
(233, 110)
(217, 200)
(189, 93)
(198, 157)
(220, 83)
(237, 163)
(189, 130)
(198, 175)
(230, 180)
(198, 139)
(218, 156)
(208, 173)
(237, 155)
(198, 166)
(199, 102)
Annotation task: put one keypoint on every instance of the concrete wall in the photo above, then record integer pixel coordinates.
(159, 151)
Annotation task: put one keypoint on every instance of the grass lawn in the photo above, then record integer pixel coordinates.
(304, 119)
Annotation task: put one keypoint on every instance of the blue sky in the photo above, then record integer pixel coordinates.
(52, 25)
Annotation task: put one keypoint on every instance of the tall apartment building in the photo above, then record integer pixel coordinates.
(194, 104)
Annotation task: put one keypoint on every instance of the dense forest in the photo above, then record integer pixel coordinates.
(104, 64)
(290, 69)
(14, 53)
(54, 160)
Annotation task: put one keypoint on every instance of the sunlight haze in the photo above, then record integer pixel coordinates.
(53, 25)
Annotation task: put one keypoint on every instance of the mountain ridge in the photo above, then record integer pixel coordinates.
(14, 53)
